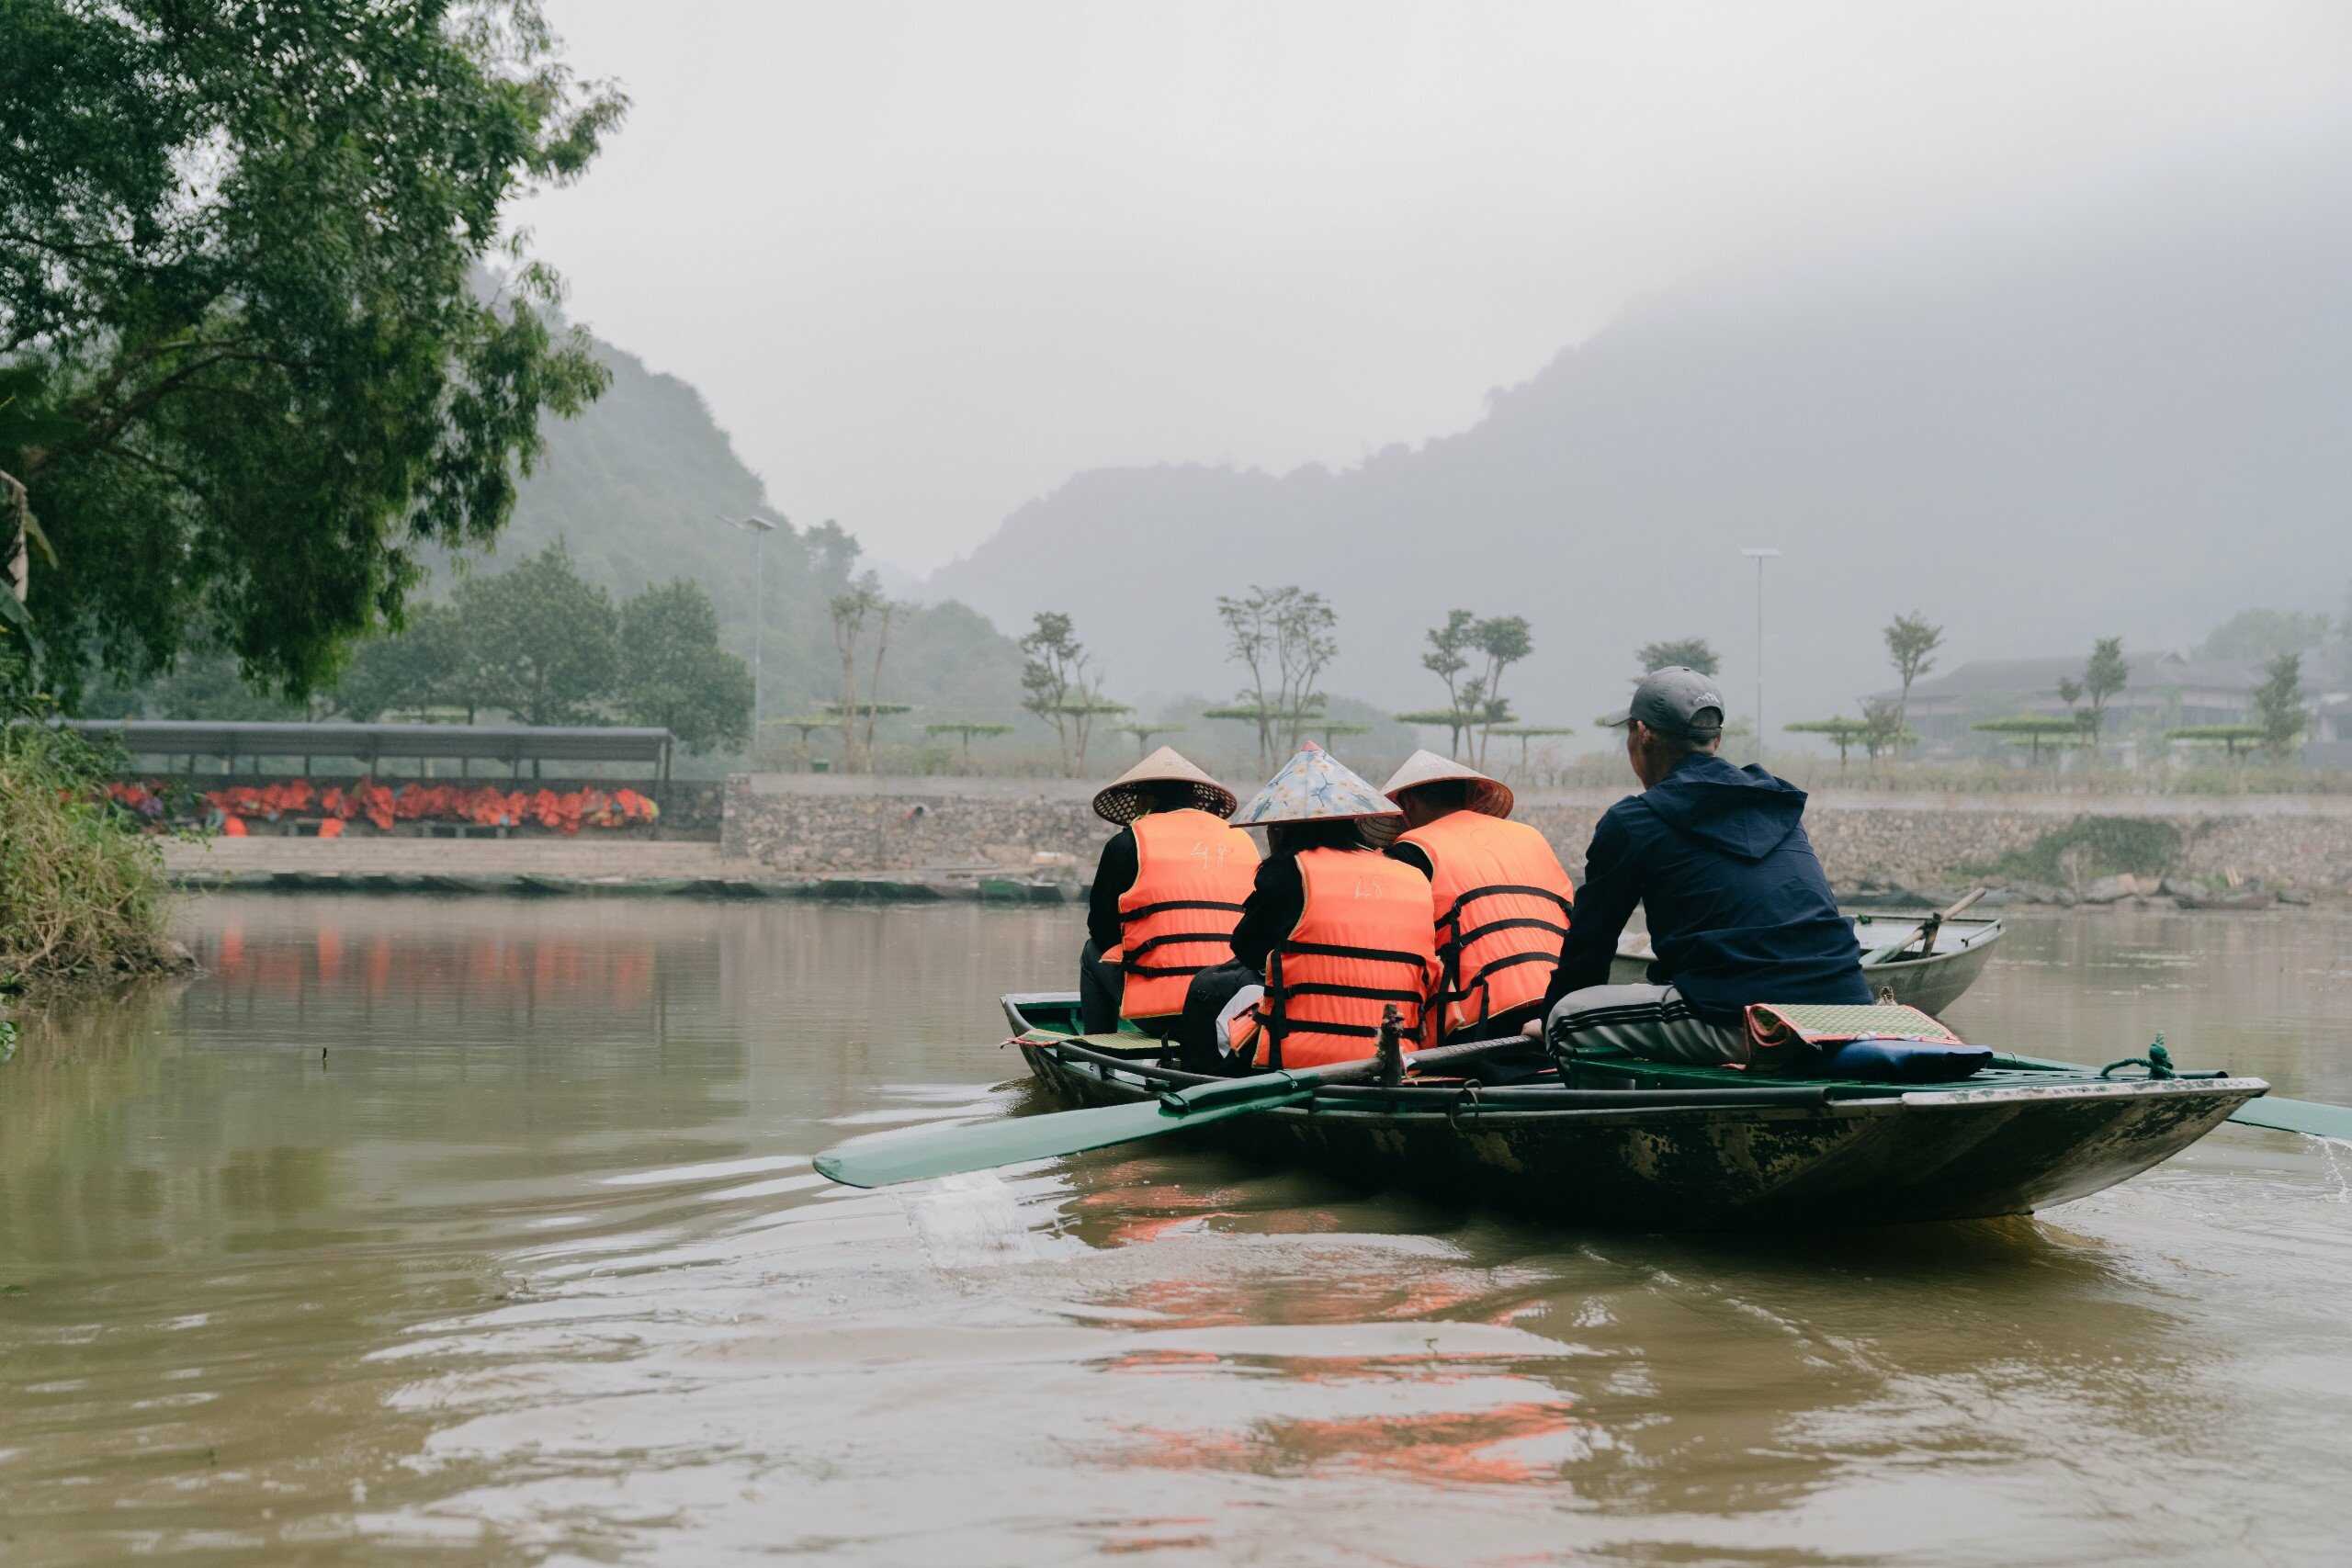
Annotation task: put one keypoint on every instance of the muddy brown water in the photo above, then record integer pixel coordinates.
(483, 1231)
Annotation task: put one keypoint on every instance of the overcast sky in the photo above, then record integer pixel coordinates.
(927, 260)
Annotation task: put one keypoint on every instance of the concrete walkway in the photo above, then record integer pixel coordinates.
(533, 867)
(629, 859)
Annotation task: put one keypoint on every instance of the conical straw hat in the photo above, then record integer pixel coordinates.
(1313, 786)
(1122, 801)
(1490, 796)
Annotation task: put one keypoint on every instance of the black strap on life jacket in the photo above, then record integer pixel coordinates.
(1128, 955)
(1278, 1022)
(1452, 986)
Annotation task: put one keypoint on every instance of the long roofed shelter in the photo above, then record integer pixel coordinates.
(370, 745)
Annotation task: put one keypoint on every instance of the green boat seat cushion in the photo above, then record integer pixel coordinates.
(1903, 1061)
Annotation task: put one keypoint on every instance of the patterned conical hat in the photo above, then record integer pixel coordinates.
(1313, 786)
(1490, 796)
(1122, 801)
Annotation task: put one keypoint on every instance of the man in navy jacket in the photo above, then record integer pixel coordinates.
(1738, 908)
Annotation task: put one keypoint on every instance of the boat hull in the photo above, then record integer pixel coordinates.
(1946, 1153)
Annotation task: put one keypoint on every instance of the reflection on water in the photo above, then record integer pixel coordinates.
(486, 1230)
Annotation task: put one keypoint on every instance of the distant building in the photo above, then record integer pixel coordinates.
(2166, 691)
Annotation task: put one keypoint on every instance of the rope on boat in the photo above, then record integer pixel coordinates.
(2158, 1061)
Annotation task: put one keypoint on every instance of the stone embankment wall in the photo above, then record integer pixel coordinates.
(818, 823)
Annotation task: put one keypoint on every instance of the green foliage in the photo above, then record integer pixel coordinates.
(81, 889)
(430, 663)
(2278, 704)
(201, 681)
(1911, 643)
(2264, 635)
(1505, 640)
(2096, 846)
(1057, 688)
(1447, 659)
(2102, 678)
(2037, 730)
(2231, 736)
(965, 730)
(1843, 732)
(1694, 652)
(541, 640)
(251, 365)
(675, 674)
(1523, 733)
(1282, 637)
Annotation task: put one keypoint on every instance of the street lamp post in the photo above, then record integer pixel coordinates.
(1760, 555)
(759, 528)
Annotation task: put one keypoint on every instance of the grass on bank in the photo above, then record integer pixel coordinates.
(82, 892)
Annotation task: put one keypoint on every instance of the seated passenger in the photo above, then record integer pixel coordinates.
(1334, 931)
(1500, 900)
(1167, 893)
(1739, 910)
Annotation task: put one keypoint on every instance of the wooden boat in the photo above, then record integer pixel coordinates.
(1930, 982)
(2022, 1136)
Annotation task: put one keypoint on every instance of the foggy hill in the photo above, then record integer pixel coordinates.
(634, 487)
(2130, 419)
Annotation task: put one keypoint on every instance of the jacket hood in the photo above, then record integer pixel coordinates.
(1744, 812)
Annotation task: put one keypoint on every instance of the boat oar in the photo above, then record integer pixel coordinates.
(1931, 925)
(947, 1151)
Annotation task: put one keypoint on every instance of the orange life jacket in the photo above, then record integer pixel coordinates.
(1502, 905)
(1362, 941)
(1191, 874)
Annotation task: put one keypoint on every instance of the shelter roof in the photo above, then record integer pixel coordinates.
(496, 742)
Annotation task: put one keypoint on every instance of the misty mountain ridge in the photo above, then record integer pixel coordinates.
(2136, 425)
(634, 488)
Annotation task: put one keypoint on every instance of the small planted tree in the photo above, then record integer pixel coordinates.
(1082, 713)
(2037, 730)
(1844, 733)
(805, 724)
(1691, 652)
(851, 611)
(1447, 658)
(1053, 685)
(2232, 738)
(2279, 704)
(1282, 637)
(1504, 641)
(964, 730)
(1911, 643)
(2103, 678)
(1144, 732)
(1523, 733)
(1882, 730)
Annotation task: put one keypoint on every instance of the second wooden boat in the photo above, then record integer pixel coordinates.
(1930, 982)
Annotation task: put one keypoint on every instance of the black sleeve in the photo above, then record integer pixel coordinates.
(1114, 875)
(1414, 856)
(1611, 888)
(1271, 912)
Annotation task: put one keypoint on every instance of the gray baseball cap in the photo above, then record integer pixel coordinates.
(1676, 700)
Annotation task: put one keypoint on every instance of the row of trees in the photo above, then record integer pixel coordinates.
(543, 645)
(1471, 654)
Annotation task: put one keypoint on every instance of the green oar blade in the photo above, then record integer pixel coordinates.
(917, 1156)
(2296, 1116)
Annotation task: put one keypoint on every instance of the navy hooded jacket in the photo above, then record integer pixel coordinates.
(1739, 910)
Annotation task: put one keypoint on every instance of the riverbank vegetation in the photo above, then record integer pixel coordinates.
(82, 891)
